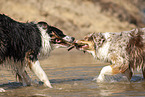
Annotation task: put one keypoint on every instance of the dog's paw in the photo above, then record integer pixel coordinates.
(99, 78)
(111, 78)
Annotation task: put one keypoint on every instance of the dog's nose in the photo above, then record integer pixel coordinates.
(73, 39)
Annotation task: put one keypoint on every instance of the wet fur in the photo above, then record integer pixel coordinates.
(16, 39)
(22, 43)
(136, 50)
(124, 50)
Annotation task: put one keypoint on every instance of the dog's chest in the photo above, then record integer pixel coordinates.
(116, 43)
(102, 52)
(46, 46)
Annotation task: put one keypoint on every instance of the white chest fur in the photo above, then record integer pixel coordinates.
(102, 52)
(46, 46)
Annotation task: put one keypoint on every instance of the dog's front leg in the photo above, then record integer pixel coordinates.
(108, 70)
(119, 65)
(36, 68)
(112, 70)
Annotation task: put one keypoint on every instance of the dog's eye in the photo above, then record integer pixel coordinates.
(103, 40)
(100, 39)
(90, 39)
(51, 35)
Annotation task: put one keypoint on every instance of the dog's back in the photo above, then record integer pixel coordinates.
(17, 38)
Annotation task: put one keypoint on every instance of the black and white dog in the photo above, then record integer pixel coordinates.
(22, 44)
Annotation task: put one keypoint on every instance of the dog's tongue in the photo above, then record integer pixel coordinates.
(85, 46)
(58, 41)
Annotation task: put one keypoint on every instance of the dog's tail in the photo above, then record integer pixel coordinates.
(136, 50)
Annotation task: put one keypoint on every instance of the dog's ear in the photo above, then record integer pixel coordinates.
(42, 24)
(90, 37)
(98, 39)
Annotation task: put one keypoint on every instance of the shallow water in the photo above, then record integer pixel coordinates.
(71, 74)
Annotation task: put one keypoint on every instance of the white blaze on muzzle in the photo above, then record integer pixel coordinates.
(68, 39)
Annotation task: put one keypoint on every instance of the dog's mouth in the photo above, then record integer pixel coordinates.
(59, 41)
(83, 45)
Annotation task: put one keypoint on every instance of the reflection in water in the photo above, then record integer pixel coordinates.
(118, 89)
(71, 74)
(107, 89)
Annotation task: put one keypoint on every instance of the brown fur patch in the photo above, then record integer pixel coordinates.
(136, 50)
(115, 69)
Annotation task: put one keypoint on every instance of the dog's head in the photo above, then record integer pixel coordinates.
(90, 43)
(58, 38)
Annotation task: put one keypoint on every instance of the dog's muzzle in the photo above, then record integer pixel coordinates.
(69, 39)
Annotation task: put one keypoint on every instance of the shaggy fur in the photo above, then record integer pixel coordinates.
(22, 44)
(124, 50)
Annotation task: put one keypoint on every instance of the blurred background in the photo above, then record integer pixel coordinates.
(71, 73)
(79, 17)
